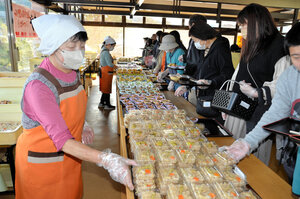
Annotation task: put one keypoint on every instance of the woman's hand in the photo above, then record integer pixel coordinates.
(118, 167)
(248, 90)
(180, 91)
(238, 150)
(87, 136)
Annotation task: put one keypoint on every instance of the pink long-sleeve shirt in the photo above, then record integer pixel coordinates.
(39, 104)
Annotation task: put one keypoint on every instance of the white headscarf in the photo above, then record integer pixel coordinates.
(54, 30)
(109, 40)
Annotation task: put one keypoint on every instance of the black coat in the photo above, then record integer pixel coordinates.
(192, 59)
(216, 65)
(262, 65)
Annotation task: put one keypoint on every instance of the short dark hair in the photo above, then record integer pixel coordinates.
(292, 38)
(203, 31)
(261, 29)
(158, 33)
(80, 36)
(161, 36)
(194, 19)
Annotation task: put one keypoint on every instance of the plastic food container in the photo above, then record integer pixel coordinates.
(159, 143)
(222, 160)
(175, 144)
(144, 157)
(192, 144)
(203, 191)
(186, 158)
(238, 182)
(169, 133)
(166, 157)
(178, 191)
(203, 159)
(191, 175)
(210, 147)
(225, 190)
(247, 195)
(149, 195)
(211, 174)
(144, 173)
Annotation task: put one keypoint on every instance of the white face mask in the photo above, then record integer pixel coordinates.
(72, 59)
(111, 48)
(199, 46)
(244, 32)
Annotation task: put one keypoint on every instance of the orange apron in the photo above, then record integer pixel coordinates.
(41, 171)
(106, 79)
(163, 62)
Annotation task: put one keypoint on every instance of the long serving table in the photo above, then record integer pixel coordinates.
(266, 183)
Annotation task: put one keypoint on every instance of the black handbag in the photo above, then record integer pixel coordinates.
(204, 107)
(236, 104)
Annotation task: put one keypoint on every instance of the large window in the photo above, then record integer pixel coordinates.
(5, 64)
(184, 36)
(134, 42)
(96, 37)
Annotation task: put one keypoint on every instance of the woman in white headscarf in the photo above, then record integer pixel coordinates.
(106, 72)
(52, 146)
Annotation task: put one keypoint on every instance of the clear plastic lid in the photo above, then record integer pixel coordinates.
(203, 159)
(178, 191)
(169, 175)
(137, 134)
(175, 144)
(210, 147)
(137, 145)
(177, 124)
(159, 143)
(192, 144)
(203, 191)
(145, 172)
(142, 187)
(164, 125)
(234, 178)
(150, 125)
(211, 174)
(166, 157)
(187, 123)
(191, 175)
(248, 195)
(183, 133)
(144, 157)
(224, 159)
(185, 158)
(226, 190)
(136, 125)
(149, 195)
(194, 132)
(169, 133)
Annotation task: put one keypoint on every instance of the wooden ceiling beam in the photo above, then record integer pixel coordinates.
(268, 3)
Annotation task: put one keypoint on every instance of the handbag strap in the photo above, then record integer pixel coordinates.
(226, 82)
(251, 76)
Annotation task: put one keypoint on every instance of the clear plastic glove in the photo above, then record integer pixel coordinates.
(247, 89)
(87, 136)
(171, 86)
(162, 75)
(117, 166)
(180, 91)
(238, 150)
